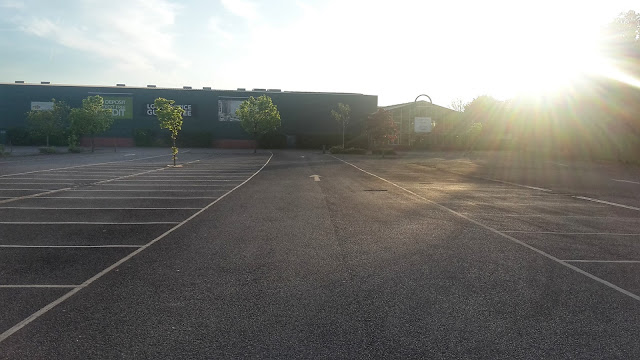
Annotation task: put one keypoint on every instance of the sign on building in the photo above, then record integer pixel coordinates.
(422, 125)
(121, 106)
(41, 105)
(227, 109)
(188, 109)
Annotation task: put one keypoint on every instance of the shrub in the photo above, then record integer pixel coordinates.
(357, 151)
(19, 136)
(273, 140)
(75, 149)
(47, 150)
(198, 139)
(143, 137)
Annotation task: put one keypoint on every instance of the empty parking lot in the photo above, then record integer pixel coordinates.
(122, 256)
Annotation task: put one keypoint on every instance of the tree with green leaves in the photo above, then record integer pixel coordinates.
(91, 119)
(342, 115)
(258, 116)
(170, 117)
(381, 127)
(48, 123)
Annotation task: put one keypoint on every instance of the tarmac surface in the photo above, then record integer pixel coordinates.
(298, 254)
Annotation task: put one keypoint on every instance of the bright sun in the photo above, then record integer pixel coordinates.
(541, 51)
(551, 61)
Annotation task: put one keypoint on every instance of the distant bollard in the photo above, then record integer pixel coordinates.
(323, 149)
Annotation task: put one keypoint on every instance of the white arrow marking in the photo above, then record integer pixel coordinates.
(315, 177)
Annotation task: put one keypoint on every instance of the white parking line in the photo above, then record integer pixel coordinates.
(557, 163)
(97, 208)
(627, 181)
(546, 204)
(85, 223)
(37, 183)
(40, 286)
(79, 166)
(607, 202)
(8, 200)
(68, 246)
(55, 176)
(177, 176)
(129, 197)
(172, 185)
(128, 176)
(173, 181)
(26, 189)
(567, 233)
(144, 190)
(516, 184)
(606, 261)
(42, 194)
(555, 216)
(75, 290)
(53, 181)
(494, 180)
(502, 234)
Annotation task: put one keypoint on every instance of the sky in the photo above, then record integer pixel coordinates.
(396, 49)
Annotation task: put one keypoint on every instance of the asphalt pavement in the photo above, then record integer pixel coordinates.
(299, 254)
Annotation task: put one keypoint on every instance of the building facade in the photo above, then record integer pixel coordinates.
(209, 113)
(418, 122)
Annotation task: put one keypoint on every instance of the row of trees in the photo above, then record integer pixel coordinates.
(89, 120)
(92, 119)
(379, 126)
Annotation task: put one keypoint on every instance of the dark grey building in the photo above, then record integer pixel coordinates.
(209, 114)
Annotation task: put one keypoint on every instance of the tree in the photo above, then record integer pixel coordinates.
(458, 105)
(91, 119)
(48, 122)
(472, 135)
(381, 127)
(170, 117)
(258, 116)
(624, 30)
(342, 115)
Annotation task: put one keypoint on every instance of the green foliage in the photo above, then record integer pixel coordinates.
(47, 123)
(170, 117)
(21, 136)
(342, 115)
(41, 123)
(352, 150)
(381, 127)
(18, 136)
(197, 139)
(91, 119)
(273, 140)
(143, 137)
(258, 116)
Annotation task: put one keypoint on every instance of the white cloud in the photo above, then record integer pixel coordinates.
(241, 8)
(137, 34)
(215, 26)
